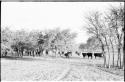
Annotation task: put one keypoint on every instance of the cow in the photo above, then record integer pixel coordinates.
(67, 54)
(98, 55)
(84, 54)
(89, 55)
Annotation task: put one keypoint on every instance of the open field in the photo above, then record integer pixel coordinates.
(55, 69)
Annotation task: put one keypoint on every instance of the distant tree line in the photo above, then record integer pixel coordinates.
(36, 42)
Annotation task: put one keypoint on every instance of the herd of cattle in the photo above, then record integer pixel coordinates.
(38, 52)
(85, 54)
(91, 55)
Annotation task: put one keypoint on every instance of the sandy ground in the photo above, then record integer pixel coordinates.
(54, 69)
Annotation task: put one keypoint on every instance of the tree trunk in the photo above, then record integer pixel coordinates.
(112, 52)
(120, 64)
(123, 54)
(108, 52)
(118, 61)
(123, 66)
(109, 57)
(18, 53)
(103, 52)
(123, 62)
(119, 54)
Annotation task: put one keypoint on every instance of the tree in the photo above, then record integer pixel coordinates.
(108, 29)
(96, 28)
(116, 22)
(57, 40)
(83, 46)
(6, 38)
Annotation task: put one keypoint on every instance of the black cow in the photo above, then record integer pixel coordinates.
(84, 54)
(89, 55)
(98, 55)
(67, 54)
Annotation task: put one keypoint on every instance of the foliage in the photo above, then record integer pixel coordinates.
(54, 39)
(108, 29)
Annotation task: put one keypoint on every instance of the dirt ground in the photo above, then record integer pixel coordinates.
(54, 69)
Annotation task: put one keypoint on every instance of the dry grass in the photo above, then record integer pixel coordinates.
(48, 68)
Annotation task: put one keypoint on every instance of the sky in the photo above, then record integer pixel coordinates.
(49, 15)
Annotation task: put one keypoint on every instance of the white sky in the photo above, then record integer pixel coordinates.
(49, 15)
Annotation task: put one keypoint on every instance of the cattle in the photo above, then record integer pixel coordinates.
(84, 54)
(89, 55)
(67, 54)
(98, 55)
